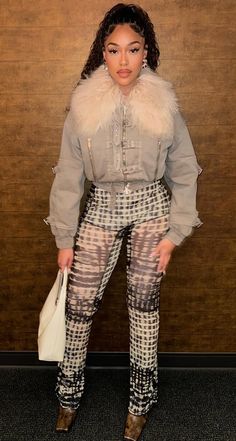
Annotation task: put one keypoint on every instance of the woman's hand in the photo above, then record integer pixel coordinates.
(163, 251)
(65, 258)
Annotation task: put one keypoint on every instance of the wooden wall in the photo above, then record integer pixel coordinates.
(43, 47)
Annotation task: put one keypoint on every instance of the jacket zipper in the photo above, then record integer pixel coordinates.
(158, 156)
(123, 141)
(89, 144)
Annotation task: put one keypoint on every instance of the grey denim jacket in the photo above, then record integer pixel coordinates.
(115, 141)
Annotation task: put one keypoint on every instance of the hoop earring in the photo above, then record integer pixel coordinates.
(144, 63)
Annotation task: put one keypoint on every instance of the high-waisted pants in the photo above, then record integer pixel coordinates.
(142, 216)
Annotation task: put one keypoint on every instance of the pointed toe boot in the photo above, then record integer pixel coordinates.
(66, 418)
(134, 426)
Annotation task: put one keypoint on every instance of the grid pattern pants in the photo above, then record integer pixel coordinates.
(142, 216)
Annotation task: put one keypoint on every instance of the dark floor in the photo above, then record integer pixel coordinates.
(194, 405)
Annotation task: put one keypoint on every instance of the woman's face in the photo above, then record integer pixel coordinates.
(124, 53)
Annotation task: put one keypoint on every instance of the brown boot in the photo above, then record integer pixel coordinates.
(134, 426)
(66, 417)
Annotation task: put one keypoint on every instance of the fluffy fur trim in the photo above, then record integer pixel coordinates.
(152, 103)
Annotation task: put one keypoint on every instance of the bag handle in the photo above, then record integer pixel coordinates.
(63, 277)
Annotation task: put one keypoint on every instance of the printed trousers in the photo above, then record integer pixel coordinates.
(142, 216)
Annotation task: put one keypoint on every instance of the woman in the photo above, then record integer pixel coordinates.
(124, 133)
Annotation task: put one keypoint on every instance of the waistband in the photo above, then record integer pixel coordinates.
(124, 187)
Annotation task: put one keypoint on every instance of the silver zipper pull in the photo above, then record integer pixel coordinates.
(127, 189)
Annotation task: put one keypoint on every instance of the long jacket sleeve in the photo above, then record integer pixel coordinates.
(181, 172)
(67, 189)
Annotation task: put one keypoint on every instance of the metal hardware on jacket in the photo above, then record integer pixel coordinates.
(118, 141)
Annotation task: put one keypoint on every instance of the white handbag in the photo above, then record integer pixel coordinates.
(52, 331)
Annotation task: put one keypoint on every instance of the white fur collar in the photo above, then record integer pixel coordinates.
(152, 103)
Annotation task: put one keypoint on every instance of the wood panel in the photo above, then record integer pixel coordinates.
(20, 198)
(190, 11)
(215, 139)
(218, 165)
(217, 224)
(211, 75)
(43, 46)
(44, 77)
(37, 110)
(38, 44)
(195, 40)
(17, 225)
(47, 77)
(209, 108)
(30, 141)
(22, 170)
(68, 13)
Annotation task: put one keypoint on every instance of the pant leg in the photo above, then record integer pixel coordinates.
(143, 306)
(96, 254)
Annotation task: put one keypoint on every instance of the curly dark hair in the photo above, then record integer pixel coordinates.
(138, 20)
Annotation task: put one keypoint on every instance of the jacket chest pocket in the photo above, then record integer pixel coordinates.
(124, 156)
